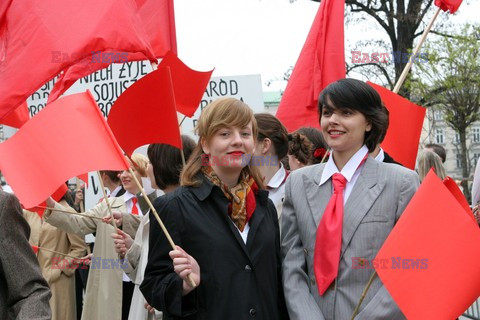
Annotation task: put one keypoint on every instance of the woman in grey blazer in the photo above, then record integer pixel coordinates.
(353, 118)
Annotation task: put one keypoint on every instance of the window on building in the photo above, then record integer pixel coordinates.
(437, 115)
(439, 136)
(456, 139)
(459, 161)
(475, 158)
(476, 135)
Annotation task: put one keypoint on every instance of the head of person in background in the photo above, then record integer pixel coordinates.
(306, 147)
(272, 147)
(111, 181)
(428, 160)
(165, 164)
(438, 149)
(139, 168)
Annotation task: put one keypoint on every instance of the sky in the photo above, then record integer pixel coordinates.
(239, 37)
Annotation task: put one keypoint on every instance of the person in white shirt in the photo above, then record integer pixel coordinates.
(271, 148)
(336, 215)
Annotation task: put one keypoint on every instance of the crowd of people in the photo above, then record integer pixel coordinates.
(265, 224)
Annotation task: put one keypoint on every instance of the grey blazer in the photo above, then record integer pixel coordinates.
(378, 198)
(24, 293)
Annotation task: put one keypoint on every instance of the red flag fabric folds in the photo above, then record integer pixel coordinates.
(458, 194)
(18, 117)
(67, 138)
(321, 61)
(158, 20)
(145, 113)
(403, 136)
(430, 261)
(188, 85)
(42, 38)
(448, 5)
(57, 196)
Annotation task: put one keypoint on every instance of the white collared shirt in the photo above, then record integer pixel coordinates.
(380, 156)
(276, 187)
(115, 191)
(350, 171)
(127, 197)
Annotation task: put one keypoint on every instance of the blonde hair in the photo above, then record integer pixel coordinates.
(428, 160)
(223, 112)
(140, 163)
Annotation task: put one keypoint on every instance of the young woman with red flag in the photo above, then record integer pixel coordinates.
(225, 226)
(336, 215)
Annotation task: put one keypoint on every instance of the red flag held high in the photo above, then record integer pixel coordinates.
(450, 5)
(430, 261)
(406, 121)
(31, 160)
(18, 117)
(145, 113)
(321, 62)
(40, 39)
(188, 85)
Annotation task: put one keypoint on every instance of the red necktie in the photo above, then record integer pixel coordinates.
(134, 206)
(328, 242)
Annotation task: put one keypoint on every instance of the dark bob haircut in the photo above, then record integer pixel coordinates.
(357, 95)
(167, 161)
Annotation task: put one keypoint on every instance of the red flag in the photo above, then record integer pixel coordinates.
(401, 141)
(188, 85)
(57, 195)
(451, 5)
(158, 20)
(42, 38)
(430, 261)
(145, 113)
(321, 62)
(48, 149)
(458, 194)
(35, 248)
(18, 117)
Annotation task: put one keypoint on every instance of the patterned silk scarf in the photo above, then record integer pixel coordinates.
(241, 197)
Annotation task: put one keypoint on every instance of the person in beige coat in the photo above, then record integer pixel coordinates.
(58, 270)
(103, 296)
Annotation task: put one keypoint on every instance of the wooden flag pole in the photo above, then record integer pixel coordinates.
(364, 293)
(407, 68)
(69, 212)
(107, 201)
(164, 229)
(56, 252)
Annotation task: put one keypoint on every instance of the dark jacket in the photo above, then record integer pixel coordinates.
(24, 293)
(238, 281)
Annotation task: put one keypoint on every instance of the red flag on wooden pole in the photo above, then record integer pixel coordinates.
(40, 39)
(405, 127)
(145, 113)
(67, 138)
(188, 85)
(321, 62)
(448, 5)
(430, 261)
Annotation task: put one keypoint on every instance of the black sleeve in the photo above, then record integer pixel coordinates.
(162, 287)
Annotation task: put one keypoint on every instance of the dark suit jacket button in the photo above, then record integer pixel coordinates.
(248, 269)
(253, 312)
